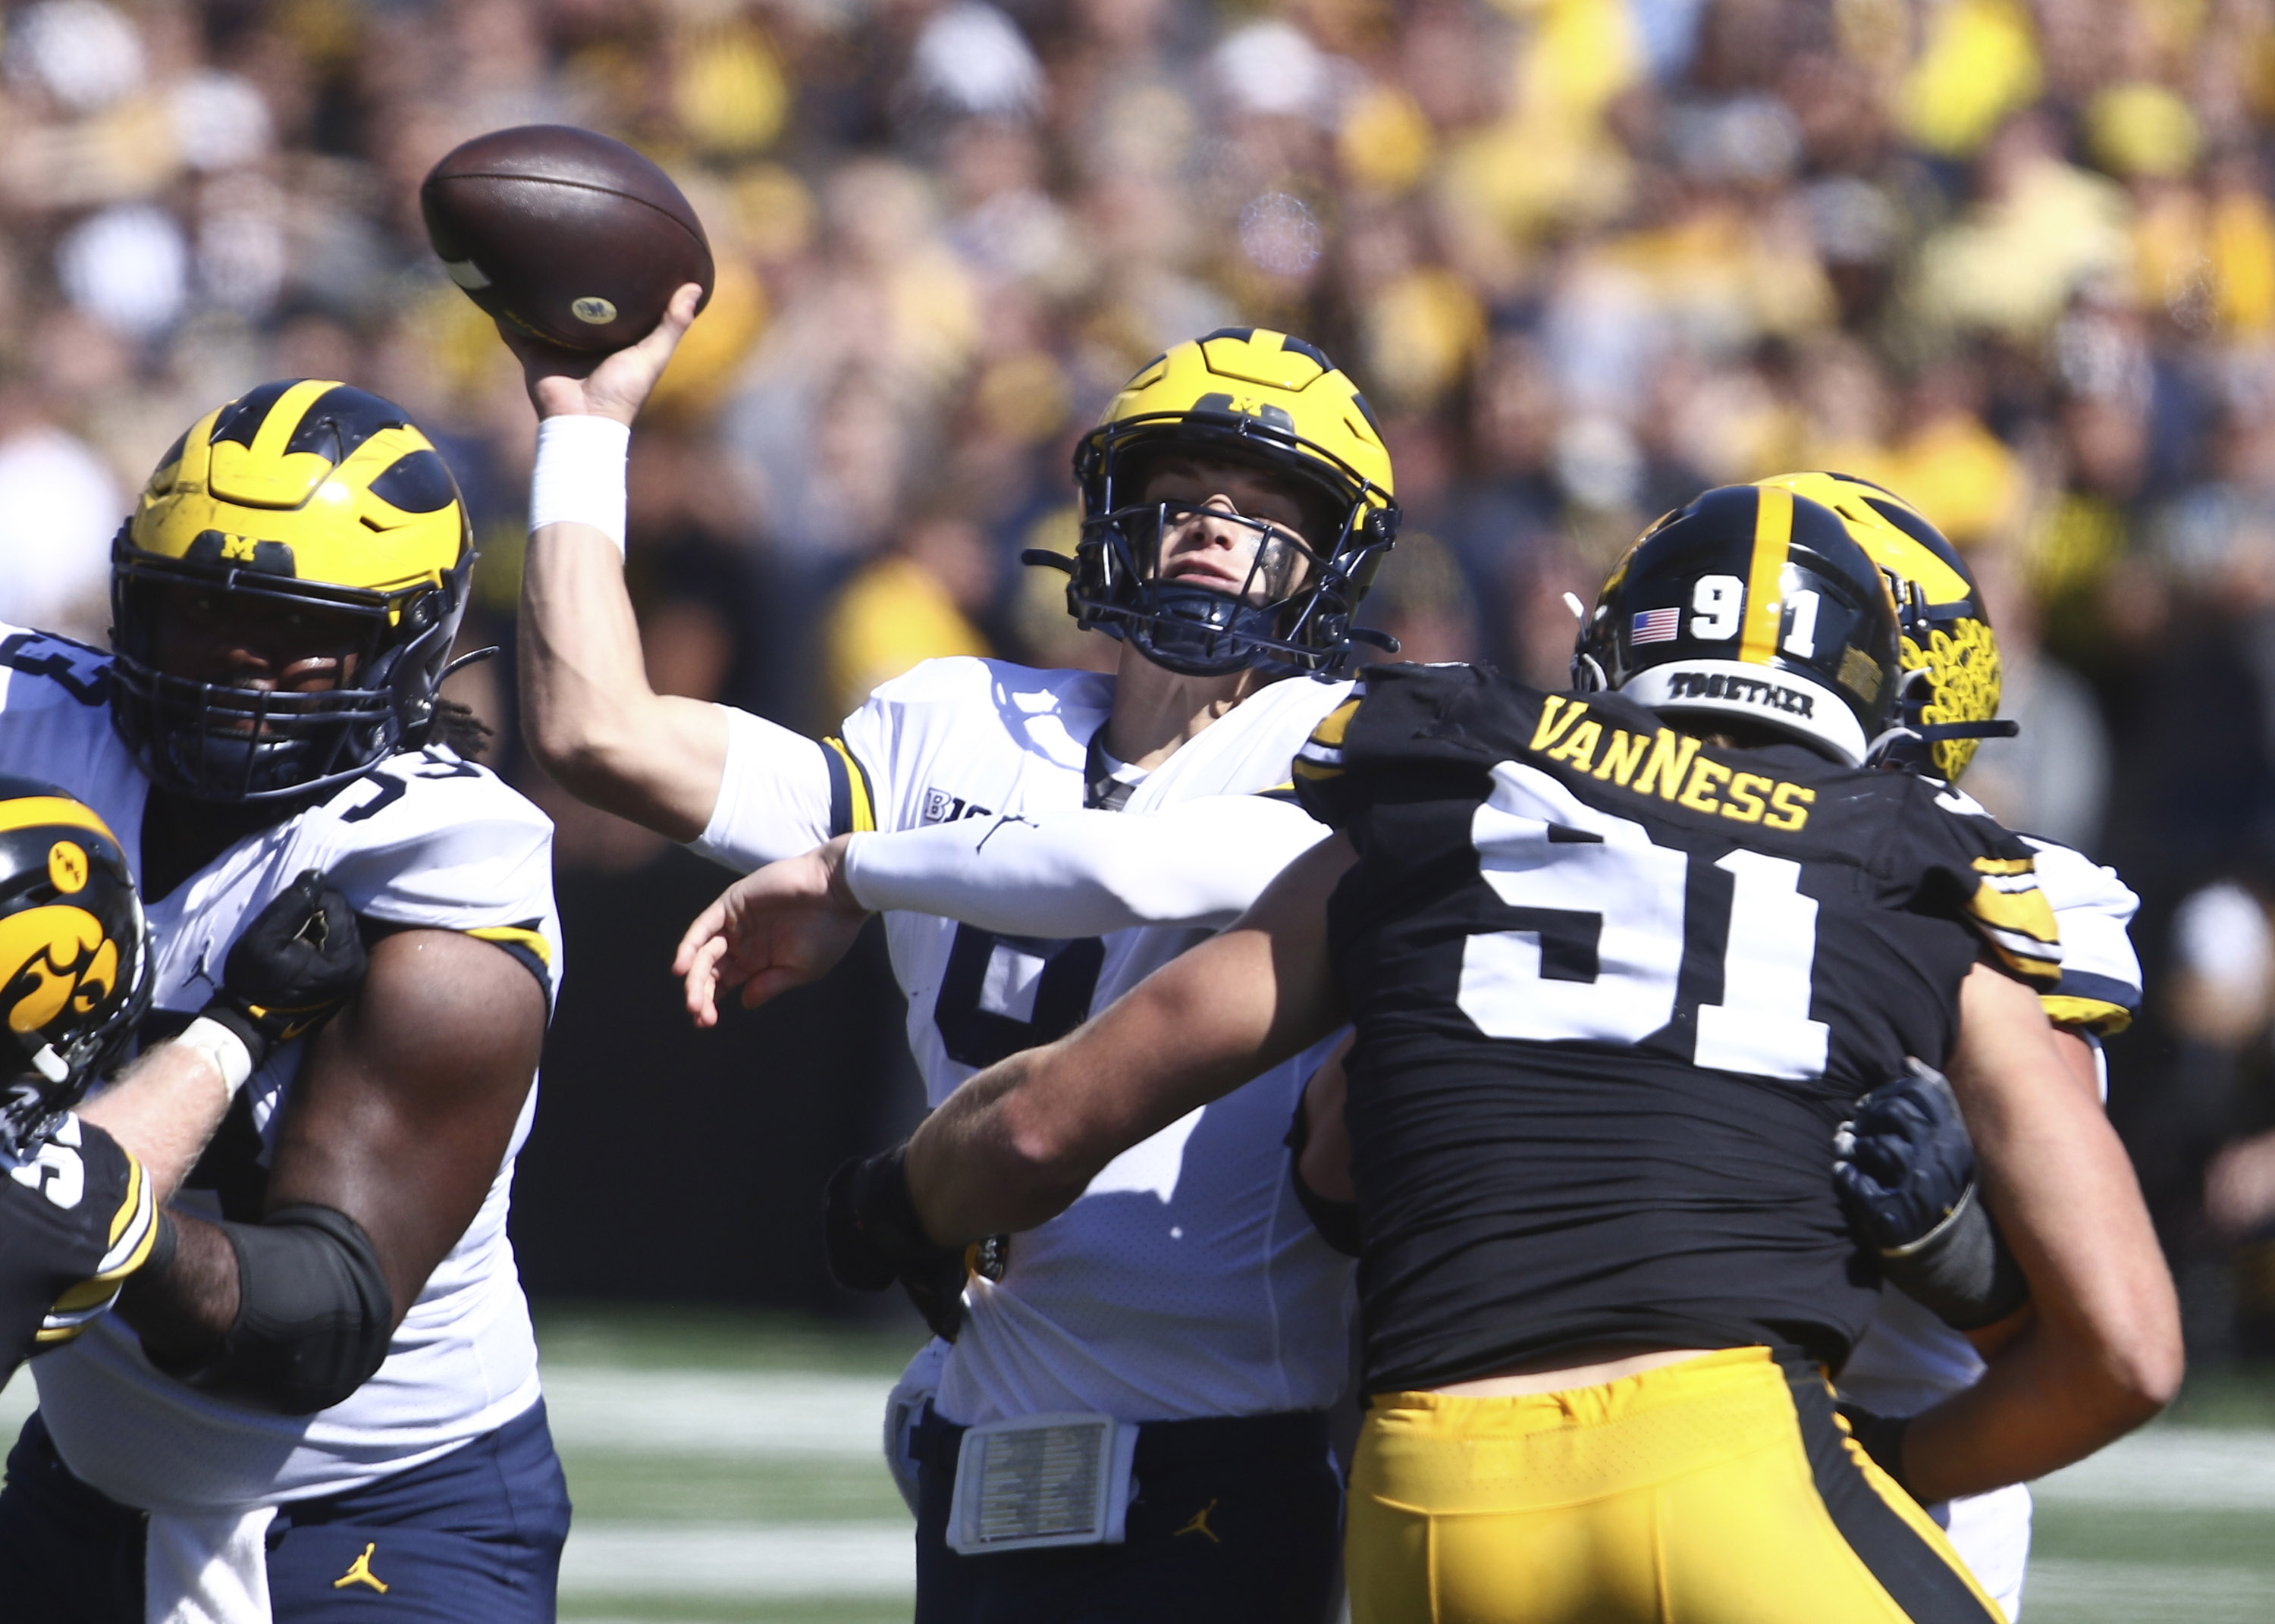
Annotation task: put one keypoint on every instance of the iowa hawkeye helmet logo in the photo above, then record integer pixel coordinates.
(56, 958)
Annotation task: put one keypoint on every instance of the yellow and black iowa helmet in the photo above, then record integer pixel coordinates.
(1754, 604)
(311, 499)
(74, 955)
(1253, 397)
(1950, 694)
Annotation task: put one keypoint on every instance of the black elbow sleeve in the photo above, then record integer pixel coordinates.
(314, 1315)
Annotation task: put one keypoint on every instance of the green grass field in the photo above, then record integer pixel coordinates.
(725, 1468)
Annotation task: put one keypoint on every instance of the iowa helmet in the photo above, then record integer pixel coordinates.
(315, 500)
(1263, 399)
(1949, 695)
(1755, 604)
(74, 955)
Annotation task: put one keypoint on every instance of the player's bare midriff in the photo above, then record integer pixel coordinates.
(1539, 1376)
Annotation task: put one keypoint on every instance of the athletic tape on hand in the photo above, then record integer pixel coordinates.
(579, 475)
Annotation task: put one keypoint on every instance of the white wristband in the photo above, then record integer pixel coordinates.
(579, 475)
(220, 1046)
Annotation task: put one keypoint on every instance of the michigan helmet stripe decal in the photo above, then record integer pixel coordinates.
(1765, 594)
(284, 419)
(31, 811)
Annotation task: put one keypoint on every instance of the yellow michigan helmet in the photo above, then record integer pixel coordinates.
(1950, 654)
(74, 955)
(313, 500)
(1263, 399)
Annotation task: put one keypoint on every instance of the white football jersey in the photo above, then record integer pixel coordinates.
(424, 838)
(1908, 1360)
(1186, 1282)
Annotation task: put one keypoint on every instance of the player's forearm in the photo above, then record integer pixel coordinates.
(1020, 1141)
(1085, 873)
(162, 1111)
(2044, 1402)
(587, 712)
(183, 1304)
(2103, 1353)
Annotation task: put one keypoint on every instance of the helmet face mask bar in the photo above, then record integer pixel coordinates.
(371, 548)
(1258, 400)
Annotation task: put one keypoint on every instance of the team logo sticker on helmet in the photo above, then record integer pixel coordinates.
(596, 311)
(1255, 399)
(54, 957)
(74, 955)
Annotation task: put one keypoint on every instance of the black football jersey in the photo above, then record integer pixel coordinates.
(76, 1219)
(1614, 989)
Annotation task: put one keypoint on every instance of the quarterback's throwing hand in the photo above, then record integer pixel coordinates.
(567, 383)
(782, 927)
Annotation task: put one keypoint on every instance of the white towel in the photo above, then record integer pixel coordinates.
(207, 1570)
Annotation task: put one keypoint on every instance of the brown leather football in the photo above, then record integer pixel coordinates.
(564, 234)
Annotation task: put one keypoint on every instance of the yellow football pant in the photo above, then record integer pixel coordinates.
(1722, 1490)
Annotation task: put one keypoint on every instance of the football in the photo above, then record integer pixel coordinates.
(564, 234)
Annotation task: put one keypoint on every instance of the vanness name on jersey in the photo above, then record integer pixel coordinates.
(1668, 763)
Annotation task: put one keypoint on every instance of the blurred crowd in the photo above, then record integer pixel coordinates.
(2013, 258)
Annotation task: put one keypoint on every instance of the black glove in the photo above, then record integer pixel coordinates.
(1881, 1437)
(300, 959)
(1904, 1169)
(1905, 1163)
(875, 1238)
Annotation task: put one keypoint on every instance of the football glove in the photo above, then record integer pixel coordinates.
(875, 1238)
(295, 965)
(1904, 1169)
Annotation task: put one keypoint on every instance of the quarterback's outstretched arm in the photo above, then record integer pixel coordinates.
(587, 711)
(2103, 1354)
(1053, 874)
(1019, 1142)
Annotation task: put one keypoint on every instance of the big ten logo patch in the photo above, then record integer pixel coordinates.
(942, 807)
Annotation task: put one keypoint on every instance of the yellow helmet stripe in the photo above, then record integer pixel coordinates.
(1765, 594)
(275, 431)
(31, 811)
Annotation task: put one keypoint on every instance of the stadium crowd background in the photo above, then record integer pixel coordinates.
(2015, 261)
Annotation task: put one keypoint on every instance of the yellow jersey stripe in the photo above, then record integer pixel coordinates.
(2096, 1015)
(1764, 588)
(2024, 913)
(864, 805)
(31, 811)
(514, 935)
(126, 1208)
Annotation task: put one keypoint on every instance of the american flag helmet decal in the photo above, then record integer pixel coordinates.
(1655, 626)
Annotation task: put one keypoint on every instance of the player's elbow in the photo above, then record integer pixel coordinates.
(2144, 1372)
(1051, 1160)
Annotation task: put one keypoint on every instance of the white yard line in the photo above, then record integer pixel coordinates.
(737, 1561)
(2173, 1468)
(2146, 1592)
(711, 1413)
